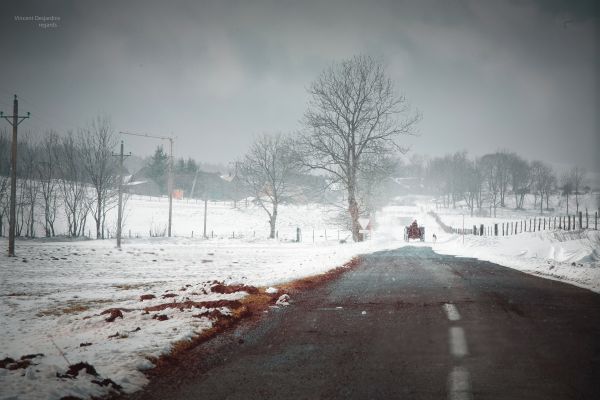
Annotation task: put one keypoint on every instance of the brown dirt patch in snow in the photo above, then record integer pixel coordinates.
(228, 289)
(147, 297)
(55, 312)
(197, 304)
(160, 317)
(114, 314)
(250, 307)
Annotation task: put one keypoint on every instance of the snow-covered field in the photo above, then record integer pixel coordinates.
(53, 293)
(572, 256)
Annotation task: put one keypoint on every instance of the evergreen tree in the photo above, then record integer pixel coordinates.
(158, 168)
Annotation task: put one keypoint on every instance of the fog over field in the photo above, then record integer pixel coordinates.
(486, 75)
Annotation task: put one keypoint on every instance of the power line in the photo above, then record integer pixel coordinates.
(171, 139)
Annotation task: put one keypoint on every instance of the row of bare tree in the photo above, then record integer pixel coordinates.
(488, 181)
(72, 173)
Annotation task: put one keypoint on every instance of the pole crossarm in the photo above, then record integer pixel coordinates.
(20, 118)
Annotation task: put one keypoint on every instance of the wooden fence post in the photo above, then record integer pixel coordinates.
(495, 229)
(569, 225)
(580, 220)
(587, 220)
(596, 220)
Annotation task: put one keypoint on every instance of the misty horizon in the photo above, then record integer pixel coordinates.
(486, 76)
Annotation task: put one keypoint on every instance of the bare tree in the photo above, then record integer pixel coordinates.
(29, 186)
(265, 171)
(74, 190)
(578, 175)
(47, 172)
(491, 166)
(566, 187)
(544, 182)
(353, 113)
(503, 159)
(97, 141)
(471, 183)
(4, 180)
(518, 171)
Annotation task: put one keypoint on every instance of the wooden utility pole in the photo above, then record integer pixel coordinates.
(170, 178)
(16, 120)
(205, 207)
(120, 204)
(170, 184)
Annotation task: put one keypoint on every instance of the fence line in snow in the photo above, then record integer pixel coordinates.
(566, 222)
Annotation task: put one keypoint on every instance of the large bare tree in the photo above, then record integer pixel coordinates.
(265, 170)
(98, 140)
(353, 121)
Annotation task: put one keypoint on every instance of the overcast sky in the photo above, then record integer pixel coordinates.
(486, 75)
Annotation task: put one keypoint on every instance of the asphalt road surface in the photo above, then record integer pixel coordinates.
(406, 324)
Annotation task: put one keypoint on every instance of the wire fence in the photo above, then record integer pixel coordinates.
(580, 221)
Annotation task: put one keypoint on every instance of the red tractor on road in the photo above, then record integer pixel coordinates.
(414, 231)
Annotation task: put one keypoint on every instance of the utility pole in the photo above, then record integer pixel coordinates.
(120, 204)
(171, 139)
(194, 183)
(16, 120)
(170, 184)
(205, 207)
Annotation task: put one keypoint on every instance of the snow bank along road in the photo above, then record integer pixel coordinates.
(410, 324)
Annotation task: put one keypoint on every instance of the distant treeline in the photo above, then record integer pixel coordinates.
(499, 179)
(77, 175)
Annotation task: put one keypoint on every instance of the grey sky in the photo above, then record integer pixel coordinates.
(487, 75)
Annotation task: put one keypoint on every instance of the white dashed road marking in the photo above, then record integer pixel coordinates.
(459, 387)
(458, 343)
(451, 312)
